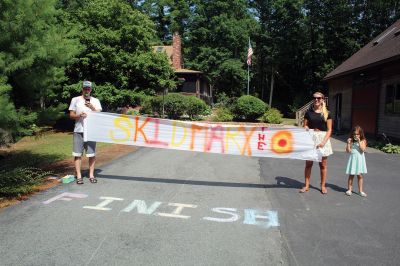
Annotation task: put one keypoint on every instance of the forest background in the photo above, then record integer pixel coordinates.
(47, 47)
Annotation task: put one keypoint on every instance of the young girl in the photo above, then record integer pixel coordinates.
(356, 145)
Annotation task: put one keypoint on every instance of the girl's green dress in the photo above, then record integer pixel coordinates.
(356, 164)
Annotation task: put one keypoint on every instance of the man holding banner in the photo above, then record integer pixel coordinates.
(78, 110)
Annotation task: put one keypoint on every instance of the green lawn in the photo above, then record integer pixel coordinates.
(21, 165)
(38, 151)
(289, 121)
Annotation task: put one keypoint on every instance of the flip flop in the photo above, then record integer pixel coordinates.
(303, 190)
(324, 191)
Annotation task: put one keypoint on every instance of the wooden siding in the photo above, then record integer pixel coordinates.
(388, 123)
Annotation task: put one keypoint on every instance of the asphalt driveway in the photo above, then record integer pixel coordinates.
(164, 207)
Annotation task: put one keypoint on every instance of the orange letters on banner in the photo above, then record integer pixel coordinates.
(137, 128)
(247, 140)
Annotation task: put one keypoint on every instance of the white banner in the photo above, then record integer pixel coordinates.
(259, 141)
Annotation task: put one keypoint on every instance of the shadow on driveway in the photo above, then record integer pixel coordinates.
(287, 182)
(281, 182)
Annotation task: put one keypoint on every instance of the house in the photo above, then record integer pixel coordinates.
(365, 89)
(190, 82)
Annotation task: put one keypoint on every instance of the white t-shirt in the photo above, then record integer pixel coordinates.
(78, 105)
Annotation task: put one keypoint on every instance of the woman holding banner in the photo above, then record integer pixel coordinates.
(319, 119)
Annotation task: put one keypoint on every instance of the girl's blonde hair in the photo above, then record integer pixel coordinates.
(325, 111)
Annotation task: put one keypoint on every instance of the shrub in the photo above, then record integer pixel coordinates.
(221, 100)
(152, 106)
(146, 107)
(110, 96)
(132, 98)
(133, 112)
(272, 116)
(249, 108)
(18, 181)
(224, 101)
(174, 105)
(50, 115)
(376, 144)
(391, 148)
(14, 123)
(156, 105)
(222, 114)
(26, 123)
(5, 138)
(195, 107)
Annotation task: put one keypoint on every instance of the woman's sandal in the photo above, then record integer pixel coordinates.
(303, 190)
(324, 191)
(79, 181)
(93, 180)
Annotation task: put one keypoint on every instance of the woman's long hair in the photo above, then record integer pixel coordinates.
(325, 111)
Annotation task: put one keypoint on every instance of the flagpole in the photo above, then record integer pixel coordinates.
(249, 54)
(248, 79)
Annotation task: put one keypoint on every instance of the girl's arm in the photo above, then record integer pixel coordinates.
(363, 145)
(348, 145)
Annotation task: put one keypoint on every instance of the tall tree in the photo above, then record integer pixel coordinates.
(217, 40)
(374, 16)
(169, 15)
(35, 48)
(280, 53)
(117, 41)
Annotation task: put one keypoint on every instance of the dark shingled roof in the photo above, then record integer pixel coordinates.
(382, 49)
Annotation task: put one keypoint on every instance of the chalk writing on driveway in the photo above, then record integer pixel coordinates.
(249, 216)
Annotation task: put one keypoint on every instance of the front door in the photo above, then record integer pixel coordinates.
(338, 113)
(365, 107)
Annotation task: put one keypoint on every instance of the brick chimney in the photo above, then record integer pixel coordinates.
(176, 51)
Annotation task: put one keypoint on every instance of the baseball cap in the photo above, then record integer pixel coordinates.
(87, 83)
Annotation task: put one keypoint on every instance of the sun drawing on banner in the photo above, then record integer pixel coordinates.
(282, 142)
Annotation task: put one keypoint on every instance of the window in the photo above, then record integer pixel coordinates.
(392, 100)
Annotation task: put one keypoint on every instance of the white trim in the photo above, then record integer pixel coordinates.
(383, 36)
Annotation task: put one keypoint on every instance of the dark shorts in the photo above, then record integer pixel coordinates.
(79, 146)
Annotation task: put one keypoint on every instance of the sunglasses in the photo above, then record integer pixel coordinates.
(317, 98)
